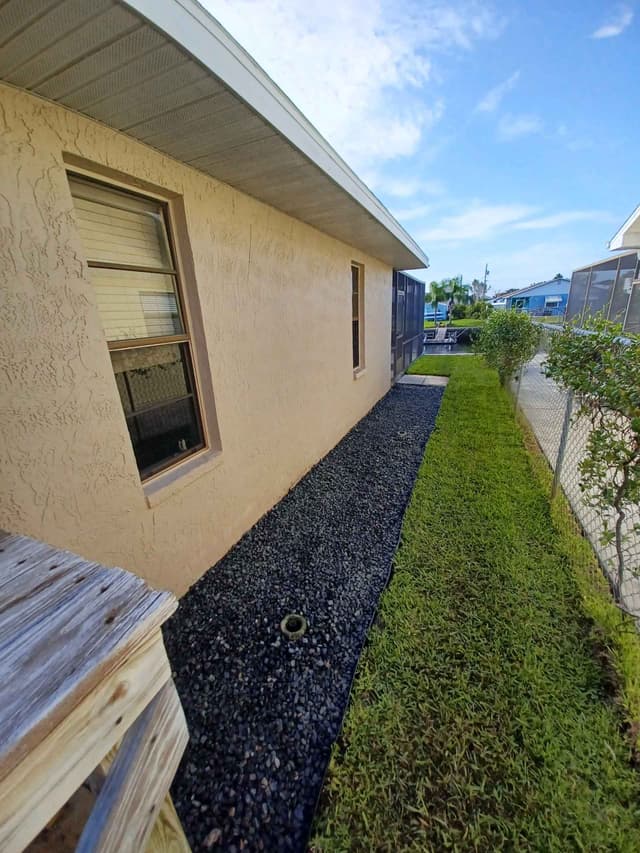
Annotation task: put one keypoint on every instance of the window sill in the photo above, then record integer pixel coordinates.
(165, 485)
(359, 372)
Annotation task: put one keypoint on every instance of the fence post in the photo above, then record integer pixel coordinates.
(563, 444)
(518, 384)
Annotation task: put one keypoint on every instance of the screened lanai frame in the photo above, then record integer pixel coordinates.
(407, 321)
(608, 288)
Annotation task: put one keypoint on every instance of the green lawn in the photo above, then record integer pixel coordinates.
(470, 323)
(489, 704)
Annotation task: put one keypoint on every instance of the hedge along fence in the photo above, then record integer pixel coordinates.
(580, 394)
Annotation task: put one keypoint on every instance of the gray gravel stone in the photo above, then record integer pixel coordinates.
(264, 708)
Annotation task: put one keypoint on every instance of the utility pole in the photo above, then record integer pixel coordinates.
(486, 273)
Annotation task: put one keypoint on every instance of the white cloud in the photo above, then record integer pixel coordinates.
(557, 220)
(582, 144)
(404, 187)
(513, 127)
(419, 211)
(494, 97)
(513, 266)
(360, 70)
(537, 262)
(616, 24)
(486, 221)
(481, 221)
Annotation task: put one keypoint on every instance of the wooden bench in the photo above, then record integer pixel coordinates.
(82, 669)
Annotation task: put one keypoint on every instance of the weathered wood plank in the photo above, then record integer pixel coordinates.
(139, 779)
(43, 782)
(63, 832)
(28, 598)
(63, 631)
(167, 835)
(17, 553)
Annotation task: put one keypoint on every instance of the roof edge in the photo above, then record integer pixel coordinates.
(616, 243)
(202, 36)
(621, 254)
(537, 284)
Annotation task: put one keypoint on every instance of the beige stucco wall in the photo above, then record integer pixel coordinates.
(275, 301)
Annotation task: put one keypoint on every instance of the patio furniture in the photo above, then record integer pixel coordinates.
(83, 669)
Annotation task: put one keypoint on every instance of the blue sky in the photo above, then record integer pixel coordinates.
(498, 132)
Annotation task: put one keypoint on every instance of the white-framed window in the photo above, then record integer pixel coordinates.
(357, 315)
(133, 269)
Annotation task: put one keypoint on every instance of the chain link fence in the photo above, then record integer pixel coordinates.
(562, 437)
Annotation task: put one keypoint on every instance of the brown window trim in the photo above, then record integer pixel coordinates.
(153, 471)
(111, 265)
(360, 366)
(139, 343)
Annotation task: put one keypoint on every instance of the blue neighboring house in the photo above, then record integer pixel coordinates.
(441, 312)
(543, 299)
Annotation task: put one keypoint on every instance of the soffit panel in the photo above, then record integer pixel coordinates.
(111, 61)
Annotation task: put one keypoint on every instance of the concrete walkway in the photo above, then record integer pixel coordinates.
(408, 379)
(544, 405)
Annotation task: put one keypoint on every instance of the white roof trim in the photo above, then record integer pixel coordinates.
(538, 284)
(627, 237)
(208, 42)
(604, 261)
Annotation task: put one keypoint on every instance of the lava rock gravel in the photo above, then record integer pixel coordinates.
(264, 710)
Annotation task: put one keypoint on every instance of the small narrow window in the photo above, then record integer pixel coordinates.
(133, 270)
(357, 316)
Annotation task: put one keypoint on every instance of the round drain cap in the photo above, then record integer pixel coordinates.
(293, 626)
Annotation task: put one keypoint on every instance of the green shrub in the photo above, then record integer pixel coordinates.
(479, 310)
(508, 339)
(604, 372)
(459, 311)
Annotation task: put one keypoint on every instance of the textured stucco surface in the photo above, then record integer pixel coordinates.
(275, 299)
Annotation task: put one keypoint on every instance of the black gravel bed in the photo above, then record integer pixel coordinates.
(264, 710)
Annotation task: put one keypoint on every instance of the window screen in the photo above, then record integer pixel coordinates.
(134, 275)
(600, 289)
(622, 289)
(357, 315)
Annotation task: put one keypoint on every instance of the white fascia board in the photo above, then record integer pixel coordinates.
(628, 237)
(191, 27)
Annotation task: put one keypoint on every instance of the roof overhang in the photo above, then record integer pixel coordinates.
(628, 237)
(539, 285)
(607, 260)
(169, 74)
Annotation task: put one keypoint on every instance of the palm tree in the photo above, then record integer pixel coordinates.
(479, 289)
(435, 294)
(459, 292)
